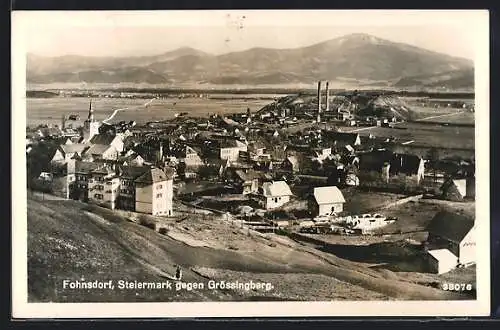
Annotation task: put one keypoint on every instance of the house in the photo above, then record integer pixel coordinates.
(341, 139)
(275, 194)
(291, 164)
(154, 192)
(109, 140)
(104, 187)
(327, 200)
(132, 159)
(247, 181)
(128, 175)
(412, 166)
(454, 189)
(101, 151)
(257, 148)
(454, 232)
(230, 149)
(82, 171)
(441, 261)
(67, 151)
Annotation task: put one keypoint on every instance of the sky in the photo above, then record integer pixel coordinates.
(217, 32)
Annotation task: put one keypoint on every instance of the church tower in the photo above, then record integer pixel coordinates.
(90, 126)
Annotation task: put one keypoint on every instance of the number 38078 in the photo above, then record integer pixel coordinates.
(457, 286)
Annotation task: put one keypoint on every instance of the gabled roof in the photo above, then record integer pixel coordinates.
(248, 175)
(442, 254)
(105, 139)
(132, 172)
(85, 167)
(231, 143)
(328, 195)
(407, 163)
(153, 175)
(104, 170)
(276, 189)
(450, 225)
(72, 148)
(343, 137)
(99, 149)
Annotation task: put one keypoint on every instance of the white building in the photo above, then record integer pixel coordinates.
(275, 194)
(230, 149)
(104, 187)
(442, 261)
(456, 233)
(328, 200)
(154, 192)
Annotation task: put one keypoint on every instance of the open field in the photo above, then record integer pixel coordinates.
(70, 240)
(428, 134)
(43, 110)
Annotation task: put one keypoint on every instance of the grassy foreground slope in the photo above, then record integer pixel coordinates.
(67, 241)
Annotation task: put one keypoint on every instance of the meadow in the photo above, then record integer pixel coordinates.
(50, 110)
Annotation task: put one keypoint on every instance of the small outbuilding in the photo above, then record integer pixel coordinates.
(327, 200)
(442, 261)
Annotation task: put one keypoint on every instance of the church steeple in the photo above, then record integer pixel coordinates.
(91, 112)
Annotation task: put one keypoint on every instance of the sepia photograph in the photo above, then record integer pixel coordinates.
(273, 160)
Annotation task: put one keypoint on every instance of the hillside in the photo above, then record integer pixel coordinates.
(75, 241)
(358, 57)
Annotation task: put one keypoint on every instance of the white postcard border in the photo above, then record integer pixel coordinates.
(477, 20)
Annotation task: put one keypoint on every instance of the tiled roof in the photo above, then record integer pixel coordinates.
(72, 148)
(153, 175)
(104, 139)
(98, 149)
(132, 172)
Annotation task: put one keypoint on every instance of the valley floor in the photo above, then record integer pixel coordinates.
(70, 240)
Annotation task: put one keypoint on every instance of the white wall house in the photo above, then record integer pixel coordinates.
(328, 200)
(456, 233)
(442, 261)
(103, 187)
(230, 150)
(154, 193)
(275, 194)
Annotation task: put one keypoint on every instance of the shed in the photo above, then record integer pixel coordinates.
(328, 200)
(442, 261)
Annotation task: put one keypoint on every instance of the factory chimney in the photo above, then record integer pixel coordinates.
(327, 98)
(63, 121)
(319, 101)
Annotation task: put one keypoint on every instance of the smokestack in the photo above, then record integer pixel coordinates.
(327, 98)
(319, 101)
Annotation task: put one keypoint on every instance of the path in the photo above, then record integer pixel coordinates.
(439, 116)
(128, 108)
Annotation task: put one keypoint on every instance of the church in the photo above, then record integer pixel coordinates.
(90, 126)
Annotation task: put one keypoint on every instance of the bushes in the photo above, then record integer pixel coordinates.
(143, 221)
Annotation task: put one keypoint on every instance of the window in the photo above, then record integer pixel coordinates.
(98, 196)
(158, 195)
(109, 183)
(159, 186)
(276, 200)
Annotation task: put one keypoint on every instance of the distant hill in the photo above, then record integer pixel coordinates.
(355, 57)
(452, 79)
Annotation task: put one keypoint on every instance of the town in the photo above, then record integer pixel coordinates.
(301, 166)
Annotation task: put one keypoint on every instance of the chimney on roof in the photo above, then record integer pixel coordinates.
(319, 101)
(327, 98)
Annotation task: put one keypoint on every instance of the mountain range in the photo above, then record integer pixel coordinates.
(362, 58)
